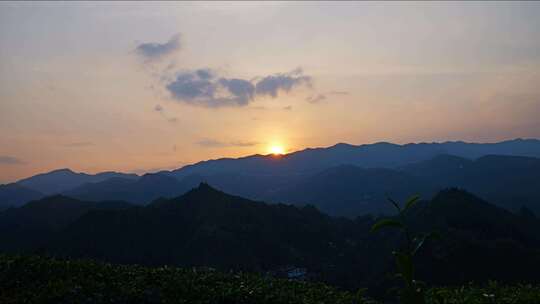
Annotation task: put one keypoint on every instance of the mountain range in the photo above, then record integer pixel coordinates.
(342, 180)
(207, 227)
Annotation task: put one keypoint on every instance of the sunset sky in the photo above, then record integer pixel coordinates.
(139, 87)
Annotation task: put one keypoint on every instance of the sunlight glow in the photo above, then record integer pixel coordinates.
(277, 150)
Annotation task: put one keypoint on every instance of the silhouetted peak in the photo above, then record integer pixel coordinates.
(204, 193)
(64, 171)
(204, 187)
(343, 145)
(454, 193)
(383, 144)
(458, 199)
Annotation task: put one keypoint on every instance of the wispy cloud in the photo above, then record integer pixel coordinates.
(158, 108)
(323, 96)
(338, 93)
(243, 143)
(212, 143)
(316, 98)
(154, 50)
(10, 160)
(78, 144)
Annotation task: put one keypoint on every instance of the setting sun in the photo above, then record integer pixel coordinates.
(276, 150)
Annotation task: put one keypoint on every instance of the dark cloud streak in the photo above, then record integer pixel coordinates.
(10, 160)
(158, 108)
(212, 143)
(79, 144)
(316, 98)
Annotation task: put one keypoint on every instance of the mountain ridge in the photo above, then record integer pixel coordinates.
(266, 176)
(208, 227)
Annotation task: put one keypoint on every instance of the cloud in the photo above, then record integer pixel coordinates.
(161, 110)
(338, 93)
(204, 87)
(323, 96)
(243, 143)
(10, 160)
(153, 50)
(273, 84)
(243, 90)
(78, 144)
(212, 143)
(316, 98)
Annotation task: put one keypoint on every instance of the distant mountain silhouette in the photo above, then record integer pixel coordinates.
(207, 227)
(58, 181)
(139, 191)
(423, 167)
(15, 195)
(508, 181)
(351, 191)
(32, 225)
(378, 155)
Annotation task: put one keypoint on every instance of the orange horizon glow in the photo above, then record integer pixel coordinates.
(277, 150)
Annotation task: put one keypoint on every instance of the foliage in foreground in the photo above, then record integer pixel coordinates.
(493, 293)
(413, 292)
(33, 279)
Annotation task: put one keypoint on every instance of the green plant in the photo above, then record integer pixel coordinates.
(43, 280)
(413, 291)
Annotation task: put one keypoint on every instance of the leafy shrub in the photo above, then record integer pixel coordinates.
(493, 293)
(32, 279)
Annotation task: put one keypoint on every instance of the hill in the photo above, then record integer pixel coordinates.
(351, 191)
(35, 224)
(138, 191)
(508, 181)
(15, 195)
(247, 234)
(273, 177)
(206, 227)
(58, 181)
(477, 238)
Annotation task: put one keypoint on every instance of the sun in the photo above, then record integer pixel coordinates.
(277, 150)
